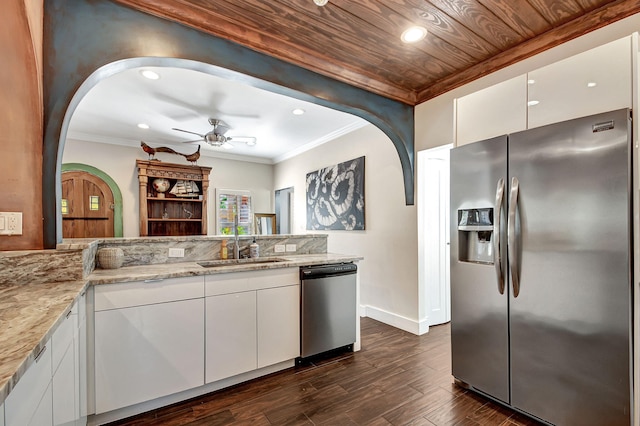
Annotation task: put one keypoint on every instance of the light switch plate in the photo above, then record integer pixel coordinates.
(279, 248)
(10, 223)
(176, 252)
(291, 247)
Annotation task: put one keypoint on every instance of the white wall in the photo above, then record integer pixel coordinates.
(389, 244)
(119, 162)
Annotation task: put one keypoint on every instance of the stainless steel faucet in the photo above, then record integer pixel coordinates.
(236, 243)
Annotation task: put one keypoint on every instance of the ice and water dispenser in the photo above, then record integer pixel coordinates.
(475, 232)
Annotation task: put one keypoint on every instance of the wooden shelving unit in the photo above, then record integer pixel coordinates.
(165, 214)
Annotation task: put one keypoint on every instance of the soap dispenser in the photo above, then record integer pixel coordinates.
(254, 249)
(223, 250)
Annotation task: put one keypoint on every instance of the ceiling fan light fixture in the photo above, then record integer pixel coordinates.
(413, 34)
(320, 2)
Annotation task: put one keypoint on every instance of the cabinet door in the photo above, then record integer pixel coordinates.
(43, 415)
(598, 80)
(278, 325)
(145, 352)
(32, 393)
(2, 414)
(494, 111)
(64, 390)
(81, 372)
(231, 335)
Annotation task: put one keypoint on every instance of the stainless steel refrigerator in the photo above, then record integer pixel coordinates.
(541, 270)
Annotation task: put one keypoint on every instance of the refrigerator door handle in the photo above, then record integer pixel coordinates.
(514, 262)
(497, 228)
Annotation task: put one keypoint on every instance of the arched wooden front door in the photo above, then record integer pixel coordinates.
(87, 206)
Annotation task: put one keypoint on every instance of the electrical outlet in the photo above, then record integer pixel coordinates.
(291, 247)
(10, 223)
(176, 252)
(279, 248)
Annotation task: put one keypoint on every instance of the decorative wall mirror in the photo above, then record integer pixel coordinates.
(265, 223)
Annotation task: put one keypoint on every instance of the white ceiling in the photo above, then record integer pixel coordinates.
(185, 99)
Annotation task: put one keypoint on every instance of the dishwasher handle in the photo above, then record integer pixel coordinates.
(322, 271)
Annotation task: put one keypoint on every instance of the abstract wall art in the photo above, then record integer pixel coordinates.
(335, 197)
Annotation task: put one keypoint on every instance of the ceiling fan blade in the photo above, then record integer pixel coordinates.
(226, 145)
(195, 140)
(187, 131)
(244, 139)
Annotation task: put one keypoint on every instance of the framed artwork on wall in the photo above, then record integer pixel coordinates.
(335, 197)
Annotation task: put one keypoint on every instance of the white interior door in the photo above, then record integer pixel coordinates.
(433, 239)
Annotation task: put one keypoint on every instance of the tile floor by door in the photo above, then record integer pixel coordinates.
(396, 379)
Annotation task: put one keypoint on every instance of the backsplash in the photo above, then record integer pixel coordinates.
(145, 251)
(75, 259)
(41, 266)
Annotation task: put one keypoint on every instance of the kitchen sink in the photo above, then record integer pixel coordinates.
(233, 262)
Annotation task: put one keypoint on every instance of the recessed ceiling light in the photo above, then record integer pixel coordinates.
(531, 81)
(413, 34)
(143, 125)
(592, 84)
(151, 75)
(533, 103)
(298, 111)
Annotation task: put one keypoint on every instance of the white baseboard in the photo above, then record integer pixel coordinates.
(398, 321)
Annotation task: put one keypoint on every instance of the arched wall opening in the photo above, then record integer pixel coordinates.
(86, 42)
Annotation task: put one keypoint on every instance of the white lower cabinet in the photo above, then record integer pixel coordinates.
(278, 321)
(63, 359)
(231, 335)
(43, 414)
(47, 393)
(2, 414)
(146, 351)
(80, 351)
(252, 321)
(63, 390)
(31, 398)
(155, 339)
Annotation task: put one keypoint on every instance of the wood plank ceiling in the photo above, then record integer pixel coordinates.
(358, 41)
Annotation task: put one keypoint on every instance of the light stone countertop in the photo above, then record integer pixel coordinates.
(176, 270)
(30, 313)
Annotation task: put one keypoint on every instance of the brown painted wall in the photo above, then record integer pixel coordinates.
(21, 119)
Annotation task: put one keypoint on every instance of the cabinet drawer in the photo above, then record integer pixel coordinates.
(251, 280)
(139, 293)
(25, 398)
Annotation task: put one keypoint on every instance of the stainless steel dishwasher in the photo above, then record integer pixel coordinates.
(328, 307)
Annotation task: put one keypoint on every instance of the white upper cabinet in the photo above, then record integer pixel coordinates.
(490, 112)
(598, 80)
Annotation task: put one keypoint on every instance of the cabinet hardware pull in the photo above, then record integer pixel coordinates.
(44, 348)
(68, 314)
(154, 280)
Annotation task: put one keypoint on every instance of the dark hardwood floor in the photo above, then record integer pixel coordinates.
(396, 379)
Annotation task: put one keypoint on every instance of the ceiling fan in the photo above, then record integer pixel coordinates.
(216, 137)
